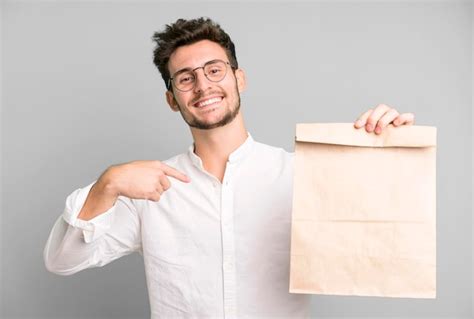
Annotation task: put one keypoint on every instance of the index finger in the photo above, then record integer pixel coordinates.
(170, 171)
(362, 120)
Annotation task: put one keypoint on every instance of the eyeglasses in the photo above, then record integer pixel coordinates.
(185, 80)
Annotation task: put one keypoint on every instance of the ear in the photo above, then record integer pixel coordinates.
(171, 101)
(241, 80)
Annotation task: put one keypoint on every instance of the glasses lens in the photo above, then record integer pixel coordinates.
(184, 81)
(215, 71)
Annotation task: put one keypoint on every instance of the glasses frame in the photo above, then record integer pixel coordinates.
(170, 80)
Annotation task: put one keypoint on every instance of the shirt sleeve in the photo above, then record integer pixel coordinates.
(75, 244)
(93, 228)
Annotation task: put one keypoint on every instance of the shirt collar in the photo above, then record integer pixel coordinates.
(234, 157)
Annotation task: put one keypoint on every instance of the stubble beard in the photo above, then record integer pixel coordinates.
(229, 116)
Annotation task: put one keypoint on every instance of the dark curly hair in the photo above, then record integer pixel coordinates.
(184, 32)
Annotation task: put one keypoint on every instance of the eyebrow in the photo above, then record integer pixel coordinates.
(190, 69)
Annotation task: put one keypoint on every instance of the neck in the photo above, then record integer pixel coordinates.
(214, 146)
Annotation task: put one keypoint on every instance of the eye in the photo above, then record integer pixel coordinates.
(186, 79)
(215, 70)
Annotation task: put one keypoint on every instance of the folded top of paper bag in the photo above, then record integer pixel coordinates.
(347, 134)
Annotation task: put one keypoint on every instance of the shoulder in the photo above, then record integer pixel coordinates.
(274, 152)
(178, 161)
(273, 163)
(271, 158)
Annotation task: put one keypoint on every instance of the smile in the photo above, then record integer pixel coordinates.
(210, 101)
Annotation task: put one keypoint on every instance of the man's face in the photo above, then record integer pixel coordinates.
(225, 94)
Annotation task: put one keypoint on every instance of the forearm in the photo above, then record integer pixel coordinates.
(100, 199)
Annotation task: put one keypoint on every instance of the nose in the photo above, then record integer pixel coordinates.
(202, 83)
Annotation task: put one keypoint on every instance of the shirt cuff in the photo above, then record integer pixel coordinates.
(93, 228)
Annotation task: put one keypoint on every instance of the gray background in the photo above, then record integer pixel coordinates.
(79, 93)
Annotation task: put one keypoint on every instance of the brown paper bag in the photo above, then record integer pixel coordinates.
(364, 211)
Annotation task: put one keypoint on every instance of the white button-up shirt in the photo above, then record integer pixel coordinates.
(210, 249)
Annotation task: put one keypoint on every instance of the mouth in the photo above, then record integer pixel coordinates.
(213, 101)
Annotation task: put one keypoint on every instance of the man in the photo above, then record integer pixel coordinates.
(213, 223)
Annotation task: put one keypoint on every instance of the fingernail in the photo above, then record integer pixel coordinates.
(358, 123)
(369, 127)
(378, 130)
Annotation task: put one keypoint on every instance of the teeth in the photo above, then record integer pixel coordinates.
(210, 101)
